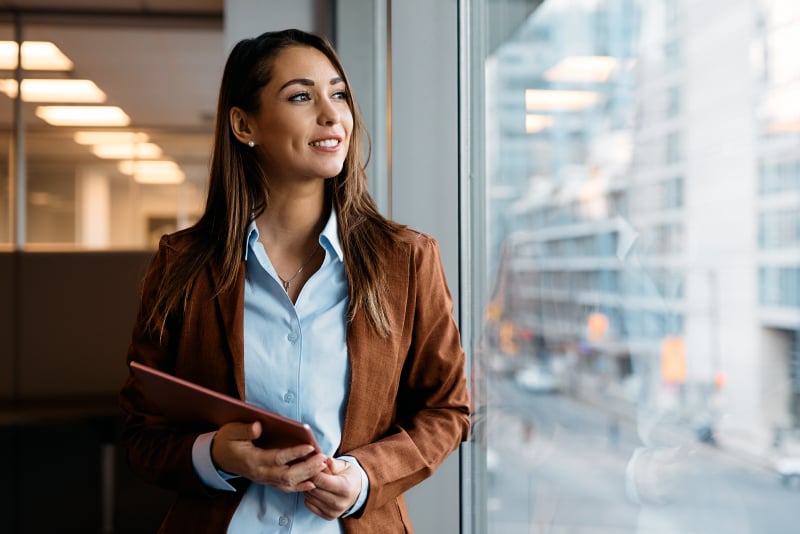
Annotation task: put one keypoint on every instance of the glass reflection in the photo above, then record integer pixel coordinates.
(640, 344)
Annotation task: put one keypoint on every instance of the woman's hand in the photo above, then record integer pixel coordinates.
(336, 490)
(290, 469)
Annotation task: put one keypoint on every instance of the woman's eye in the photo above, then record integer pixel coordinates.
(300, 97)
(342, 95)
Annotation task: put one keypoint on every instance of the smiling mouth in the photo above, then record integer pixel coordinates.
(326, 143)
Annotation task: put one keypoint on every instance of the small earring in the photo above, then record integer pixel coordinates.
(251, 143)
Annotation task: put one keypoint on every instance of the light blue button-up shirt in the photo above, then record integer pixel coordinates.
(295, 364)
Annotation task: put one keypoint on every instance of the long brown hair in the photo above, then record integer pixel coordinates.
(237, 194)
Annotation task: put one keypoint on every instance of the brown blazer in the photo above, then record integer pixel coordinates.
(407, 409)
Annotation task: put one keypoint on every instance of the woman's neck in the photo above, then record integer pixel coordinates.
(292, 223)
(289, 231)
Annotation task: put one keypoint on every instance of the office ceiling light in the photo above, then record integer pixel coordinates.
(556, 100)
(160, 178)
(109, 138)
(582, 69)
(9, 87)
(83, 115)
(537, 123)
(36, 55)
(41, 90)
(153, 171)
(127, 151)
(159, 165)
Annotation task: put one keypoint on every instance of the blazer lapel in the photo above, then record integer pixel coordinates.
(375, 361)
(368, 355)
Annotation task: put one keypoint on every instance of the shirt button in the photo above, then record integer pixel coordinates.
(289, 397)
(283, 521)
(292, 336)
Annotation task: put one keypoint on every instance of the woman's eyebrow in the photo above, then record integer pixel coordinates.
(308, 82)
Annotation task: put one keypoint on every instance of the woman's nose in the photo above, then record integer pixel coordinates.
(328, 114)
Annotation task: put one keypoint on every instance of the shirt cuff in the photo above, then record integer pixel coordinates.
(204, 465)
(362, 497)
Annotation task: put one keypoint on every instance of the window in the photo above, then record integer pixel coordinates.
(673, 104)
(635, 354)
(6, 128)
(116, 181)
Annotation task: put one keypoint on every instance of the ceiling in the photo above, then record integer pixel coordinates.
(143, 6)
(159, 60)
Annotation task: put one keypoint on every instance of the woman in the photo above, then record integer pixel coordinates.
(293, 293)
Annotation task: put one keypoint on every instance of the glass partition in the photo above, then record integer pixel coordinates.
(118, 130)
(6, 127)
(636, 194)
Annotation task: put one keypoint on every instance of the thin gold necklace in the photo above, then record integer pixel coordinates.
(287, 282)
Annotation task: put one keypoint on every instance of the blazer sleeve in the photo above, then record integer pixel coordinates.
(432, 405)
(156, 451)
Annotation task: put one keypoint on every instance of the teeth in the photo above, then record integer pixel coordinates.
(329, 143)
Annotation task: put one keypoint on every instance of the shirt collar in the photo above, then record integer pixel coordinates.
(329, 235)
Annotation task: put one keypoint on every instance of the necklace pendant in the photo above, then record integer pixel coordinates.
(287, 283)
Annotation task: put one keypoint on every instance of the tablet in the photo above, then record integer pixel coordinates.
(183, 401)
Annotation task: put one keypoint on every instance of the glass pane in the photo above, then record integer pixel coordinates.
(98, 185)
(637, 321)
(6, 126)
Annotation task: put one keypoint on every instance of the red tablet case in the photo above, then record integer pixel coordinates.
(184, 401)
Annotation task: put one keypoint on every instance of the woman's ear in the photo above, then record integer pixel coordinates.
(240, 125)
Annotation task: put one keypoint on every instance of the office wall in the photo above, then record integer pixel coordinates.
(249, 18)
(72, 319)
(362, 43)
(6, 326)
(425, 182)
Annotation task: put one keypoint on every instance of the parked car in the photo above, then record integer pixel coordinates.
(788, 468)
(536, 378)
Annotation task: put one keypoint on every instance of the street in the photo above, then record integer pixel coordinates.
(560, 466)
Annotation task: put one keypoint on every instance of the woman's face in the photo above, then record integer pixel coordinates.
(302, 129)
